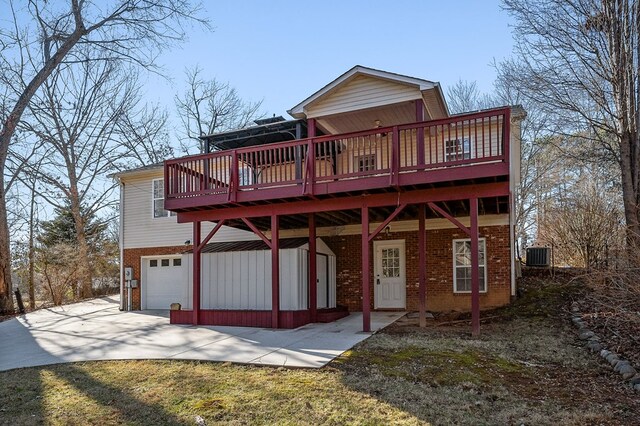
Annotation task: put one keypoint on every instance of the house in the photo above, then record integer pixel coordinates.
(274, 225)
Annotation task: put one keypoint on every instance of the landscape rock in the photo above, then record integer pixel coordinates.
(584, 335)
(594, 346)
(612, 359)
(635, 380)
(621, 363)
(604, 353)
(627, 372)
(637, 387)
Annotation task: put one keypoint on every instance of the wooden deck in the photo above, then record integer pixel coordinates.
(466, 147)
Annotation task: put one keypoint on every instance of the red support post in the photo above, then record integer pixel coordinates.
(422, 262)
(275, 270)
(196, 271)
(366, 292)
(234, 177)
(506, 136)
(395, 156)
(311, 127)
(310, 170)
(420, 131)
(313, 270)
(475, 268)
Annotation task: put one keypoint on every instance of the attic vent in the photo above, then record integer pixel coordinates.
(538, 256)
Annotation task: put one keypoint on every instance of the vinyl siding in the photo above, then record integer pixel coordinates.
(141, 229)
(360, 93)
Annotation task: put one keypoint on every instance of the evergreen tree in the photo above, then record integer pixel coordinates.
(61, 229)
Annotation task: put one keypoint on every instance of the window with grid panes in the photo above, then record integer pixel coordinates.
(462, 265)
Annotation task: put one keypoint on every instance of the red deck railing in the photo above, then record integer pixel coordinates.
(426, 152)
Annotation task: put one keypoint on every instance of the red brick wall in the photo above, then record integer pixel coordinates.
(132, 259)
(440, 295)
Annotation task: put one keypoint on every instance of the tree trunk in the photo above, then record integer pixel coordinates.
(630, 196)
(84, 264)
(6, 298)
(32, 251)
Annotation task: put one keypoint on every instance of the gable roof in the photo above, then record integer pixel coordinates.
(420, 84)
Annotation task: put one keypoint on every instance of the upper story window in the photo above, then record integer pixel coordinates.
(366, 162)
(462, 266)
(245, 175)
(158, 199)
(457, 149)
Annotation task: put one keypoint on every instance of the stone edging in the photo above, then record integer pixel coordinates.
(619, 365)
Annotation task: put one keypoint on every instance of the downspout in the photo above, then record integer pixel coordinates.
(121, 243)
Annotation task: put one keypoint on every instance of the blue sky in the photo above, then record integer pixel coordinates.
(283, 51)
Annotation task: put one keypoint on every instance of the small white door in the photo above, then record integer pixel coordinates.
(163, 282)
(389, 281)
(323, 283)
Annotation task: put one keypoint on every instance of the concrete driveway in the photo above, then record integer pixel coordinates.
(97, 330)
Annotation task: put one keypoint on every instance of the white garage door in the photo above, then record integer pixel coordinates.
(164, 282)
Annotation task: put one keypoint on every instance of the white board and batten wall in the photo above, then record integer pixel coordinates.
(240, 280)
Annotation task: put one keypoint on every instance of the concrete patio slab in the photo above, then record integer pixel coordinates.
(97, 330)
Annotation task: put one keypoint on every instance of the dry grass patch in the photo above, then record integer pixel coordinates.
(174, 392)
(527, 368)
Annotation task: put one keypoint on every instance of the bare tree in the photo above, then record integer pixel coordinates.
(145, 136)
(59, 271)
(464, 96)
(38, 37)
(583, 221)
(77, 117)
(578, 62)
(208, 106)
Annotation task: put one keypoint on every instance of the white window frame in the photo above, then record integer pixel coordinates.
(453, 156)
(369, 160)
(481, 242)
(154, 199)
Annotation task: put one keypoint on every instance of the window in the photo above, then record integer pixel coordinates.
(390, 262)
(153, 263)
(164, 262)
(177, 262)
(245, 175)
(366, 162)
(158, 199)
(457, 149)
(462, 266)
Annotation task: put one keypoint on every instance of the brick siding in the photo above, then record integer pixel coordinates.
(440, 295)
(132, 259)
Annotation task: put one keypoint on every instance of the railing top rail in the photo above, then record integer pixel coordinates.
(301, 142)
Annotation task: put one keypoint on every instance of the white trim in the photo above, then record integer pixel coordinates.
(403, 268)
(298, 110)
(453, 245)
(121, 244)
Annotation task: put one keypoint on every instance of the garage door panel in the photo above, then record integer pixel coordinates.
(165, 282)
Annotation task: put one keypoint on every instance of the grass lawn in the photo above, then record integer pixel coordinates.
(527, 368)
